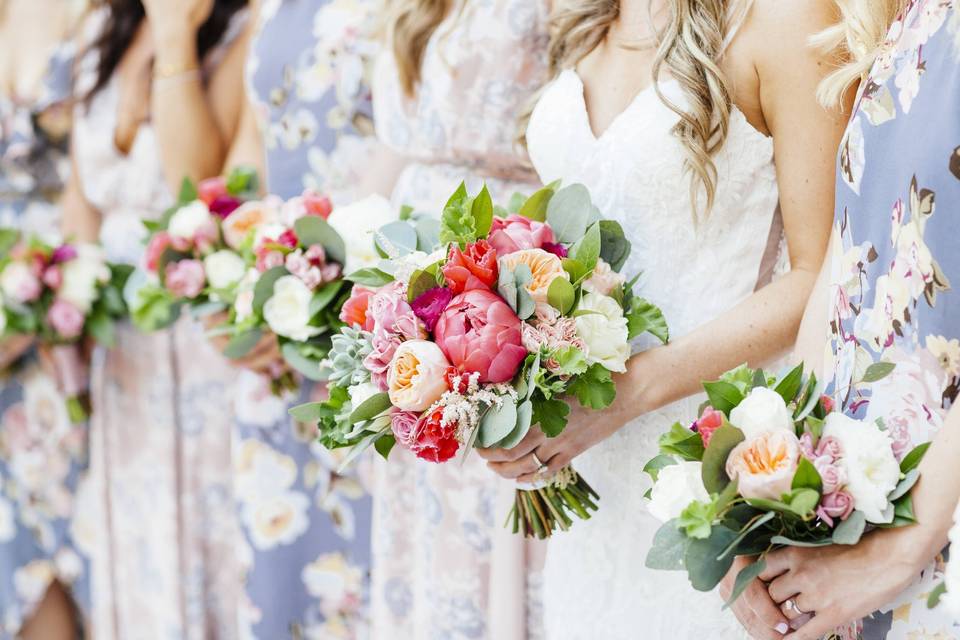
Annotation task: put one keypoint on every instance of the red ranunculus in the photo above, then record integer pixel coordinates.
(710, 421)
(433, 441)
(480, 333)
(475, 268)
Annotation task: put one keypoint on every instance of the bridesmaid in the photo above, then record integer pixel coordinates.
(160, 89)
(307, 125)
(41, 452)
(455, 76)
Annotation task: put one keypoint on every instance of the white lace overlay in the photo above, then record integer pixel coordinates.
(596, 584)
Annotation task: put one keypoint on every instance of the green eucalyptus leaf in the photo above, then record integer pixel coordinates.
(371, 408)
(587, 249)
(497, 423)
(307, 367)
(370, 277)
(309, 413)
(397, 239)
(705, 568)
(263, 290)
(576, 269)
(850, 530)
(913, 459)
(524, 421)
(324, 296)
(561, 295)
(746, 575)
(516, 201)
(313, 230)
(790, 542)
(384, 445)
(569, 212)
(614, 246)
(723, 396)
(905, 485)
(428, 234)
(807, 476)
(722, 442)
(535, 207)
(803, 502)
(242, 343)
(669, 548)
(655, 465)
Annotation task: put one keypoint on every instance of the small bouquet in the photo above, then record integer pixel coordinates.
(60, 295)
(265, 264)
(769, 464)
(471, 331)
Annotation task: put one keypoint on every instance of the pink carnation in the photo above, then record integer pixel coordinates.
(186, 278)
(65, 319)
(515, 233)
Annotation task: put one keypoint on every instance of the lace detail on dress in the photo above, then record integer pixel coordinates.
(694, 271)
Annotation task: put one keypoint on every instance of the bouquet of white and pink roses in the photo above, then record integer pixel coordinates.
(263, 264)
(469, 333)
(59, 294)
(768, 464)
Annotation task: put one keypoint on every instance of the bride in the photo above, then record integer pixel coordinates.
(671, 112)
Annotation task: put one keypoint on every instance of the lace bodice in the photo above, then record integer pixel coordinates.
(125, 188)
(694, 271)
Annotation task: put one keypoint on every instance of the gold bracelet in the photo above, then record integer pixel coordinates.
(161, 71)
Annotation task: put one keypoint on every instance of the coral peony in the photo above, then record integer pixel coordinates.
(159, 243)
(211, 189)
(515, 233)
(474, 268)
(479, 333)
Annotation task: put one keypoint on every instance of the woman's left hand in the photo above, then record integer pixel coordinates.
(823, 588)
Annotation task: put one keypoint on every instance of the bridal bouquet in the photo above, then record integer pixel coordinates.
(473, 340)
(59, 294)
(263, 264)
(769, 463)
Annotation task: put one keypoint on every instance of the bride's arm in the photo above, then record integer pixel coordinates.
(774, 46)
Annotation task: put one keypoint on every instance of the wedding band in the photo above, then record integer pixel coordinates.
(791, 604)
(540, 466)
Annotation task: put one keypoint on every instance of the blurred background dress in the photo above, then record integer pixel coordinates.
(438, 536)
(42, 453)
(307, 528)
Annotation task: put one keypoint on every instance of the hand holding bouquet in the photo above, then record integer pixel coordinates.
(769, 464)
(60, 295)
(473, 341)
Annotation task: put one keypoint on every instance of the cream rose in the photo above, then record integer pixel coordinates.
(764, 465)
(356, 223)
(249, 216)
(762, 410)
(604, 279)
(189, 219)
(224, 269)
(676, 487)
(604, 332)
(82, 275)
(867, 458)
(415, 379)
(545, 267)
(287, 312)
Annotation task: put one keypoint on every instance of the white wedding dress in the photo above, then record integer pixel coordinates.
(596, 584)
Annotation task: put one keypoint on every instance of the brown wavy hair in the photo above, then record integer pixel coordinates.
(411, 24)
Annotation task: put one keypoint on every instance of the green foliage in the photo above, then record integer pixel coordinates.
(789, 386)
(371, 408)
(682, 442)
(878, 371)
(594, 388)
(614, 246)
(561, 295)
(369, 277)
(243, 183)
(242, 343)
(807, 476)
(669, 548)
(723, 396)
(644, 317)
(655, 465)
(697, 519)
(497, 423)
(457, 224)
(850, 530)
(586, 250)
(188, 192)
(722, 442)
(263, 290)
(569, 212)
(535, 207)
(746, 575)
(313, 230)
(551, 415)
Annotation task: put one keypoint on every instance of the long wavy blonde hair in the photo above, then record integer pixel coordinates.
(856, 41)
(689, 50)
(410, 25)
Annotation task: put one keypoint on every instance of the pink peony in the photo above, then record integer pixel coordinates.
(479, 333)
(404, 426)
(515, 233)
(186, 278)
(838, 504)
(435, 441)
(710, 421)
(65, 319)
(429, 305)
(354, 310)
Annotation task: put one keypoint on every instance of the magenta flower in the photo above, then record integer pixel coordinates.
(429, 305)
(556, 249)
(63, 253)
(223, 206)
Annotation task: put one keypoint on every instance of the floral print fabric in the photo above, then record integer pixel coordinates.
(42, 454)
(306, 544)
(894, 259)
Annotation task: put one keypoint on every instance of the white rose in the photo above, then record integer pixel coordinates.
(243, 305)
(18, 283)
(951, 600)
(287, 312)
(189, 219)
(360, 393)
(604, 332)
(356, 224)
(403, 268)
(224, 269)
(82, 275)
(604, 279)
(762, 410)
(676, 487)
(871, 468)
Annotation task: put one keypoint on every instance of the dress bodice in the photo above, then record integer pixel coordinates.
(125, 187)
(480, 68)
(310, 86)
(635, 172)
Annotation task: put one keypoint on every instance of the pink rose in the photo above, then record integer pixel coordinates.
(393, 315)
(479, 333)
(186, 278)
(53, 277)
(354, 310)
(710, 421)
(764, 465)
(211, 189)
(65, 319)
(838, 504)
(515, 232)
(377, 362)
(404, 427)
(832, 475)
(19, 282)
(158, 243)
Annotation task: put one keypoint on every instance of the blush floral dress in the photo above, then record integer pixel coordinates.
(42, 454)
(444, 566)
(896, 262)
(306, 542)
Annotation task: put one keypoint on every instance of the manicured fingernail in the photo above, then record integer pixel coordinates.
(782, 628)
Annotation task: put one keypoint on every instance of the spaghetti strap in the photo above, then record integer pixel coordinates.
(738, 13)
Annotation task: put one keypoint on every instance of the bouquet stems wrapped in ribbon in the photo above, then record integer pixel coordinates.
(259, 265)
(474, 328)
(60, 295)
(769, 463)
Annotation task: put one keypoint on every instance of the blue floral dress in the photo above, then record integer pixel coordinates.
(307, 528)
(895, 256)
(41, 452)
